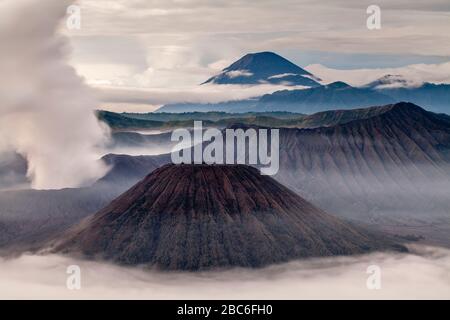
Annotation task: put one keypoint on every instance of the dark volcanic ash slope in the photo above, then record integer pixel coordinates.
(395, 163)
(192, 217)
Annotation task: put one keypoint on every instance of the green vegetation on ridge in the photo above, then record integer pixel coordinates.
(169, 121)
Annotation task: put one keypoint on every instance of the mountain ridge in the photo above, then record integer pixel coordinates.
(336, 95)
(391, 165)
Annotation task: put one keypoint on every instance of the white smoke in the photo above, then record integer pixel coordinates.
(423, 275)
(46, 111)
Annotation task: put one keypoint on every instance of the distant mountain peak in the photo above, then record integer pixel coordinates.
(392, 81)
(338, 85)
(407, 107)
(268, 60)
(264, 67)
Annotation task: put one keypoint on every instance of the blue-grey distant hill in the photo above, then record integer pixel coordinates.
(337, 95)
(433, 97)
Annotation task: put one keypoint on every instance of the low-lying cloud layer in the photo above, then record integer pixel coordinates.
(422, 275)
(152, 98)
(414, 74)
(46, 112)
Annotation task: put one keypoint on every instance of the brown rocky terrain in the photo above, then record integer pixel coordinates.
(191, 217)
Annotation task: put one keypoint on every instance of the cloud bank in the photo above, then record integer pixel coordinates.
(165, 43)
(123, 98)
(46, 110)
(415, 74)
(411, 276)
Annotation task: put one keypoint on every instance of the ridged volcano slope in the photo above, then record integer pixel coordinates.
(191, 217)
(393, 162)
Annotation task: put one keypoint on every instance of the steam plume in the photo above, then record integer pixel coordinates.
(46, 110)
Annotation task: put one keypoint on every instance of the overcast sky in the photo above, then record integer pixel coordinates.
(179, 43)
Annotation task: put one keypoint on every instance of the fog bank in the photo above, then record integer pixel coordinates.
(423, 275)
